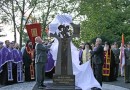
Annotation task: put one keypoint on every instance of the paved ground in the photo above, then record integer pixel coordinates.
(120, 82)
(30, 85)
(116, 85)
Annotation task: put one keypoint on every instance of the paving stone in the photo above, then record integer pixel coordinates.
(30, 85)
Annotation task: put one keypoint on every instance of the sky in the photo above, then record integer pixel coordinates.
(9, 34)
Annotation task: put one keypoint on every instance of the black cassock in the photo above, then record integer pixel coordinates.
(27, 62)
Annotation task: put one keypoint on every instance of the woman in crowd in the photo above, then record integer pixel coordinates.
(86, 53)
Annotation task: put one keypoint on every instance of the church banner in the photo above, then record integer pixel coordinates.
(33, 31)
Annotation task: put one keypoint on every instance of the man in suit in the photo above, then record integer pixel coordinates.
(127, 63)
(116, 52)
(40, 61)
(97, 54)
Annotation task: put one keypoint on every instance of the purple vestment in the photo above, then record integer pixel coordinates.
(50, 63)
(9, 64)
(15, 56)
(0, 64)
(10, 55)
(20, 67)
(80, 55)
(3, 56)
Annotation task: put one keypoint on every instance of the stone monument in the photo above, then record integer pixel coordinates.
(63, 79)
(64, 71)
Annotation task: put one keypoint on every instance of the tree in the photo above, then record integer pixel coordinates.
(2, 34)
(50, 8)
(42, 10)
(12, 9)
(105, 18)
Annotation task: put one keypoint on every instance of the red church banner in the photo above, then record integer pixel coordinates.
(33, 31)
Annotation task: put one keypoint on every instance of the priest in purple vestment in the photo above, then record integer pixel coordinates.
(4, 52)
(11, 65)
(18, 61)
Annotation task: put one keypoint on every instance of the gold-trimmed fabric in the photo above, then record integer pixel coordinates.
(34, 32)
(86, 56)
(107, 61)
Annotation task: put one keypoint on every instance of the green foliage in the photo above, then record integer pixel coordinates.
(44, 11)
(26, 38)
(50, 8)
(33, 3)
(105, 18)
(76, 42)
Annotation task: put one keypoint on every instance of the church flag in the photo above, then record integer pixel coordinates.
(33, 31)
(122, 50)
(122, 56)
(123, 39)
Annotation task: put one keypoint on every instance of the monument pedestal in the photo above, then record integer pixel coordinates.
(55, 87)
(52, 86)
(64, 80)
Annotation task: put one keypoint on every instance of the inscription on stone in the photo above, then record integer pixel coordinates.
(64, 79)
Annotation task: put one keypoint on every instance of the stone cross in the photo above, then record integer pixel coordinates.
(64, 70)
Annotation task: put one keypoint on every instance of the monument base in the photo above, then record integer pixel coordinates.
(51, 86)
(64, 80)
(60, 82)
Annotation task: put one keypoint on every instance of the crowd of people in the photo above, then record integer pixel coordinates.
(19, 65)
(11, 63)
(106, 60)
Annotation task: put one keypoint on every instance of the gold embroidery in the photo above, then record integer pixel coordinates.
(106, 67)
(34, 32)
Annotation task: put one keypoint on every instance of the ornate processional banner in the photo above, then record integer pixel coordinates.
(33, 31)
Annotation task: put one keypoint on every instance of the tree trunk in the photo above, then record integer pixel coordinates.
(21, 25)
(46, 17)
(14, 24)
